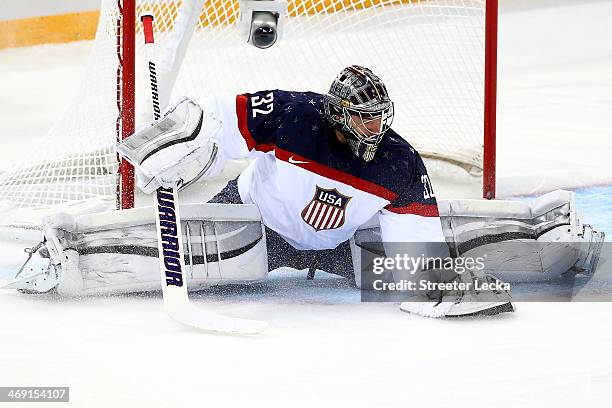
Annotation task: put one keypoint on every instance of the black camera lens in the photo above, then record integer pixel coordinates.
(264, 37)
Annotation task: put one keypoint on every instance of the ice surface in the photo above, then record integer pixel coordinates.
(323, 347)
(592, 203)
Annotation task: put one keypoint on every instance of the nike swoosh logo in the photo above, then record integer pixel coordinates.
(293, 161)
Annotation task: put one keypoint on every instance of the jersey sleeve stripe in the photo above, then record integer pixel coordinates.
(241, 112)
(328, 172)
(424, 210)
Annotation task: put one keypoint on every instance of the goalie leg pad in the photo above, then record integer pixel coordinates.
(116, 252)
(532, 241)
(523, 241)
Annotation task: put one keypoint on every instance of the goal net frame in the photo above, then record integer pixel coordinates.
(419, 45)
(127, 37)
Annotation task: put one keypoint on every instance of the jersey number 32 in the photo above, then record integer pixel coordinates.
(266, 101)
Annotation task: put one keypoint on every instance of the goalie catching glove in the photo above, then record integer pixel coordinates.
(178, 149)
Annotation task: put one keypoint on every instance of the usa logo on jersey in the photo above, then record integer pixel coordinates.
(326, 210)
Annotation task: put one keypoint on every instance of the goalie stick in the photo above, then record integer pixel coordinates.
(170, 238)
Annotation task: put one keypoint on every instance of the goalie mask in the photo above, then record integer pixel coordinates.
(358, 106)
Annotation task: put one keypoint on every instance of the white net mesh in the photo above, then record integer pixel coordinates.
(429, 53)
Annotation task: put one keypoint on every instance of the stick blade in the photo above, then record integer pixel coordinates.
(193, 316)
(13, 284)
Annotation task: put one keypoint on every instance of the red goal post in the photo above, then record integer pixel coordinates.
(126, 96)
(490, 101)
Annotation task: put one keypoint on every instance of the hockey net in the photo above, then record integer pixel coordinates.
(431, 55)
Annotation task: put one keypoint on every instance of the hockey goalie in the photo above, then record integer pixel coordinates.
(327, 174)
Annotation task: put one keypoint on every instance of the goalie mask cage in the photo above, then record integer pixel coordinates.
(437, 58)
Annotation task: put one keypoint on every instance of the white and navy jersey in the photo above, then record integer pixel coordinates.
(309, 186)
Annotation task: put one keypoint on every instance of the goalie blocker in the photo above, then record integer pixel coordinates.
(116, 252)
